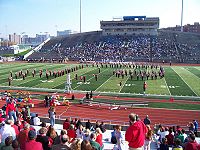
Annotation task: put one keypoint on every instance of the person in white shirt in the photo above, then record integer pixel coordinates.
(36, 120)
(7, 130)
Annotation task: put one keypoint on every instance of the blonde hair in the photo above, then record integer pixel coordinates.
(98, 131)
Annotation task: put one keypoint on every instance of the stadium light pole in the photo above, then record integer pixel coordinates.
(182, 17)
(80, 16)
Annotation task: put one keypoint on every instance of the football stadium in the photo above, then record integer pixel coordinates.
(130, 79)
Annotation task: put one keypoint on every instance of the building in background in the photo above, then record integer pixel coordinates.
(129, 25)
(64, 33)
(38, 39)
(14, 38)
(195, 28)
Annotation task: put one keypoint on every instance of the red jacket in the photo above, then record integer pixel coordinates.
(33, 145)
(135, 134)
(22, 138)
(72, 135)
(10, 107)
(66, 125)
(192, 146)
(16, 129)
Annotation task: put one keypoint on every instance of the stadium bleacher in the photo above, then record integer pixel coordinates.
(92, 46)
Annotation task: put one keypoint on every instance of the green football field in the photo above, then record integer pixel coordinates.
(178, 80)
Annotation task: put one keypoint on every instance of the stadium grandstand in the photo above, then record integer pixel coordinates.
(167, 46)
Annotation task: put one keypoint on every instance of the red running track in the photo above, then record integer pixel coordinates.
(119, 116)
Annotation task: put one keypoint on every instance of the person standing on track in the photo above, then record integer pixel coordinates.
(52, 115)
(144, 87)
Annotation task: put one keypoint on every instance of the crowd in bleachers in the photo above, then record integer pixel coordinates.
(17, 132)
(95, 47)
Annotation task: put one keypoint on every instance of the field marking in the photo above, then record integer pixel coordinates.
(185, 82)
(167, 86)
(123, 84)
(90, 78)
(103, 83)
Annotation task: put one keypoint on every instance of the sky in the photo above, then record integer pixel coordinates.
(39, 16)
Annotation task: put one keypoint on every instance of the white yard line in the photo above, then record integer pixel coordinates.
(167, 87)
(186, 83)
(103, 83)
(123, 84)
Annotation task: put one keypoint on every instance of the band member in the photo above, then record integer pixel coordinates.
(144, 86)
(76, 76)
(9, 81)
(23, 76)
(84, 78)
(96, 77)
(120, 83)
(16, 75)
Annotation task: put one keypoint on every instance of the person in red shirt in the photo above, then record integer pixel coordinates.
(144, 86)
(15, 127)
(23, 136)
(66, 124)
(99, 138)
(192, 143)
(10, 110)
(31, 144)
(136, 132)
(71, 133)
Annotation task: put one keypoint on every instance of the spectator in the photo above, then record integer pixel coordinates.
(118, 136)
(31, 144)
(52, 115)
(164, 145)
(63, 145)
(147, 121)
(23, 136)
(71, 133)
(99, 137)
(170, 138)
(180, 136)
(88, 125)
(86, 135)
(43, 139)
(177, 145)
(135, 134)
(148, 138)
(11, 111)
(76, 144)
(79, 132)
(85, 145)
(15, 145)
(196, 125)
(184, 134)
(113, 136)
(6, 130)
(36, 120)
(191, 127)
(93, 142)
(102, 127)
(52, 134)
(66, 124)
(97, 125)
(8, 144)
(57, 139)
(15, 127)
(192, 144)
